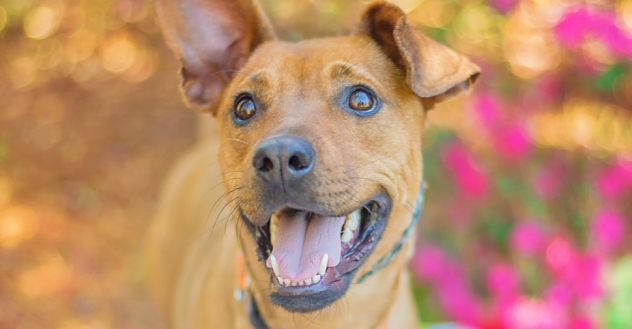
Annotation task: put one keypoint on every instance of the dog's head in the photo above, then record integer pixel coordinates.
(320, 140)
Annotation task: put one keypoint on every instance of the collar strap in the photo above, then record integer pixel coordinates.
(255, 317)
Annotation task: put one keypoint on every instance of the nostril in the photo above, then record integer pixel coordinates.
(296, 163)
(266, 165)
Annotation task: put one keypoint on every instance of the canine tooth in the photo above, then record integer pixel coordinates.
(316, 278)
(275, 265)
(286, 282)
(274, 224)
(323, 264)
(280, 279)
(308, 281)
(353, 220)
(347, 235)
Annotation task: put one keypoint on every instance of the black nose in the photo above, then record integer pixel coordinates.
(283, 159)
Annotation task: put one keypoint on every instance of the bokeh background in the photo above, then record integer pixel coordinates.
(529, 206)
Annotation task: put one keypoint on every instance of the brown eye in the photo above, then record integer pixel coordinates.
(361, 101)
(245, 108)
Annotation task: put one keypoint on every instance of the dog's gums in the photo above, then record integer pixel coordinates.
(316, 272)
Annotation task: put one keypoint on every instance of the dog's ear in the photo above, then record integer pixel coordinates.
(433, 71)
(212, 39)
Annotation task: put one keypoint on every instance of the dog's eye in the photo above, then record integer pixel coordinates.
(245, 108)
(361, 101)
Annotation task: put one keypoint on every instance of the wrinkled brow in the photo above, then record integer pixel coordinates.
(256, 81)
(347, 71)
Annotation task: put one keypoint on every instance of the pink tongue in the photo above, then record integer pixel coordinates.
(300, 244)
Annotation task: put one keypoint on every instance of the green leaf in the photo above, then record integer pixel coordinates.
(608, 80)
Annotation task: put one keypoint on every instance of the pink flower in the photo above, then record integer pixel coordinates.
(502, 281)
(459, 303)
(603, 24)
(527, 313)
(468, 174)
(586, 280)
(513, 142)
(608, 229)
(561, 255)
(582, 273)
(582, 322)
(615, 180)
(429, 263)
(573, 27)
(560, 293)
(487, 109)
(527, 238)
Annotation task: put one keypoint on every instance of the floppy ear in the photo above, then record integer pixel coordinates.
(212, 39)
(433, 71)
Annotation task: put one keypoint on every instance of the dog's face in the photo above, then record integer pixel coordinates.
(331, 136)
(320, 140)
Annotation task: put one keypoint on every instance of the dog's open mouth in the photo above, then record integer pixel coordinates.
(312, 258)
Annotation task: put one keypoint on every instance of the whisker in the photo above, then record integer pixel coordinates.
(208, 216)
(240, 141)
(220, 183)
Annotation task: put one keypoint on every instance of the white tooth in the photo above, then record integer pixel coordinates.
(353, 220)
(323, 264)
(316, 278)
(274, 224)
(347, 235)
(286, 282)
(280, 279)
(294, 283)
(275, 265)
(301, 283)
(308, 281)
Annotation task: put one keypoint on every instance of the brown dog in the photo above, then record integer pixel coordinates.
(318, 151)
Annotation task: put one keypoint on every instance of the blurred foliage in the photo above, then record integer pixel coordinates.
(529, 178)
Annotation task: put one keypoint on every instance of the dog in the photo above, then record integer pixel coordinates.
(298, 211)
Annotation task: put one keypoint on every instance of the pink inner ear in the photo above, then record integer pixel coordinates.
(201, 93)
(210, 37)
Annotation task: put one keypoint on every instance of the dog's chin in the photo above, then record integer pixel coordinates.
(324, 289)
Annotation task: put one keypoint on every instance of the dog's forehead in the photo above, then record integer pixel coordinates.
(318, 58)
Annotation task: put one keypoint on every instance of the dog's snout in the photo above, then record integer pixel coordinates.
(283, 159)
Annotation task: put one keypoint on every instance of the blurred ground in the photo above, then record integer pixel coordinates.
(530, 178)
(80, 172)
